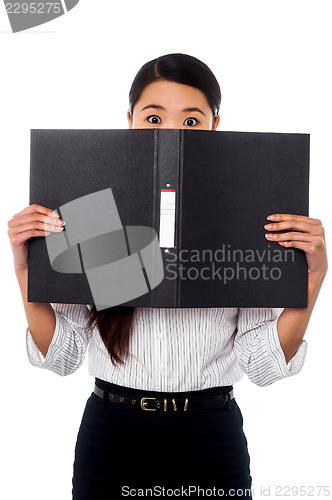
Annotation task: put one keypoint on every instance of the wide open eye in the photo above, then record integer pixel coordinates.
(153, 119)
(190, 122)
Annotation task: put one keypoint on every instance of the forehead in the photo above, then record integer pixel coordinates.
(172, 95)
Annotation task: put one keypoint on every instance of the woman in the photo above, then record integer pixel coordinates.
(162, 412)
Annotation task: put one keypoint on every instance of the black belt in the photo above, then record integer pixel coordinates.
(165, 404)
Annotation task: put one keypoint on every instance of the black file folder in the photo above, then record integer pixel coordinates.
(206, 194)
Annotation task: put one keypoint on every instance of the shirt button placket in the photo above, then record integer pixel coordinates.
(157, 358)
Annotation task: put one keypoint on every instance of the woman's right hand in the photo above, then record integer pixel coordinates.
(34, 220)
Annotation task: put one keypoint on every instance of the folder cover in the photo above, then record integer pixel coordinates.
(205, 194)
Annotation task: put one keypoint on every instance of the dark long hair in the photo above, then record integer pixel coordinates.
(115, 323)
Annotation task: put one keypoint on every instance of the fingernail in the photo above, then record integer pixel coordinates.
(54, 214)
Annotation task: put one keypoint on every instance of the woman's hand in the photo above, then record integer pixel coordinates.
(34, 220)
(305, 233)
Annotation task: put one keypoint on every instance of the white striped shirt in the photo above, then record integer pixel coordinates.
(174, 349)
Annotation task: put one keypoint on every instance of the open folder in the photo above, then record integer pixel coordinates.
(179, 212)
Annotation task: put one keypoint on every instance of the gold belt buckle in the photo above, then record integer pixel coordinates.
(144, 403)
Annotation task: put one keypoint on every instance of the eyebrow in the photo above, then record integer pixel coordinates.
(156, 106)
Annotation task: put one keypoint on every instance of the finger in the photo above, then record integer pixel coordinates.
(284, 217)
(39, 226)
(51, 223)
(35, 208)
(302, 245)
(21, 238)
(307, 227)
(310, 248)
(291, 236)
(25, 220)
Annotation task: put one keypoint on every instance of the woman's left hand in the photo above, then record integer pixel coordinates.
(306, 234)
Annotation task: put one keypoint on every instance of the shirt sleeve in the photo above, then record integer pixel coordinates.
(258, 348)
(67, 349)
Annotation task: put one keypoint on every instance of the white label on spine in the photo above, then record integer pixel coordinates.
(167, 218)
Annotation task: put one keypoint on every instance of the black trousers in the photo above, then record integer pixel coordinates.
(119, 449)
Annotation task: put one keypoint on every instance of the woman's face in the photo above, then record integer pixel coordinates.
(165, 104)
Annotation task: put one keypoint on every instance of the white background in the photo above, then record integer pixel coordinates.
(273, 62)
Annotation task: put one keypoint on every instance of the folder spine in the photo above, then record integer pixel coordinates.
(179, 214)
(168, 172)
(156, 205)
